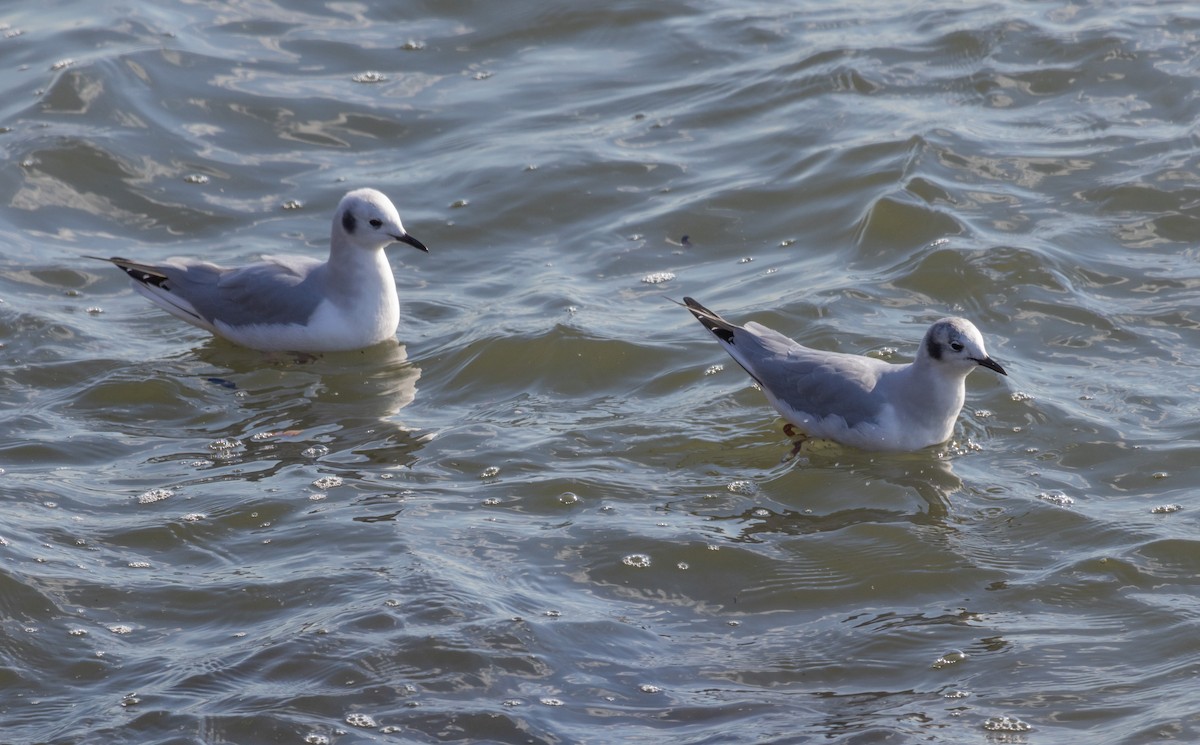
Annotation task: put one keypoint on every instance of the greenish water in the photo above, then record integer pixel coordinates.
(555, 511)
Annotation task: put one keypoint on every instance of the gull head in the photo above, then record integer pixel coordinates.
(955, 344)
(366, 219)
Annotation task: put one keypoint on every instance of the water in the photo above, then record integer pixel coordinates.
(554, 511)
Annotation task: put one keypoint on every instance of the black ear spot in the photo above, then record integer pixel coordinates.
(934, 348)
(348, 221)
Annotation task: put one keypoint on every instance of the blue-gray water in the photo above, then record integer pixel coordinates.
(556, 512)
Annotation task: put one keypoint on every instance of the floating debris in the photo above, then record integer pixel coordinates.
(952, 657)
(154, 495)
(360, 720)
(742, 486)
(1056, 498)
(1166, 509)
(658, 278)
(370, 76)
(641, 561)
(1006, 724)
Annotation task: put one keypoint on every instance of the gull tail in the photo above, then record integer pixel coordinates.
(722, 329)
(725, 332)
(141, 273)
(154, 284)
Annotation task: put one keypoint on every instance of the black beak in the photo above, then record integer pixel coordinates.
(406, 238)
(991, 364)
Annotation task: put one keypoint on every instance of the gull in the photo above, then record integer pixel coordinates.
(854, 400)
(292, 303)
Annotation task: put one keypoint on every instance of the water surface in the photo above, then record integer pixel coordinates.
(554, 511)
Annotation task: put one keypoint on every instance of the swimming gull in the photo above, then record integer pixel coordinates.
(293, 303)
(859, 401)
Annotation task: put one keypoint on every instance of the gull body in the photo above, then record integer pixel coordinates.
(293, 303)
(859, 401)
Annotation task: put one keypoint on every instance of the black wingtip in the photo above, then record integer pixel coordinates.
(720, 328)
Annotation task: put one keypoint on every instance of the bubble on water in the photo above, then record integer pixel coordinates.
(78, 632)
(714, 369)
(225, 447)
(370, 76)
(316, 451)
(683, 565)
(490, 472)
(315, 739)
(787, 242)
(360, 720)
(317, 497)
(413, 45)
(657, 278)
(733, 624)
(62, 64)
(138, 565)
(483, 74)
(745, 259)
(952, 657)
(742, 486)
(551, 701)
(956, 694)
(640, 561)
(1166, 509)
(552, 613)
(261, 436)
(983, 413)
(1056, 498)
(292, 204)
(568, 497)
(195, 178)
(1006, 724)
(511, 702)
(649, 688)
(193, 517)
(1160, 475)
(154, 495)
(130, 699)
(491, 501)
(95, 310)
(328, 482)
(1021, 396)
(121, 629)
(761, 512)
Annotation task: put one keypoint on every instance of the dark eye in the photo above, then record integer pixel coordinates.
(377, 222)
(956, 346)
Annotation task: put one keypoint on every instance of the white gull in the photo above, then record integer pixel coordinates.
(859, 401)
(293, 303)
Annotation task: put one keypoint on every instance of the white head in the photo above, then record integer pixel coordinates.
(955, 344)
(367, 219)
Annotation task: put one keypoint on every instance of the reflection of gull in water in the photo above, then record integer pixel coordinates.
(934, 481)
(354, 394)
(293, 303)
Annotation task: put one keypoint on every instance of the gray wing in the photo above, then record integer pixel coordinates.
(279, 291)
(812, 382)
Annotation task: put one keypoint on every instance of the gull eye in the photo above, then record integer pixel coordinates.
(376, 223)
(956, 346)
